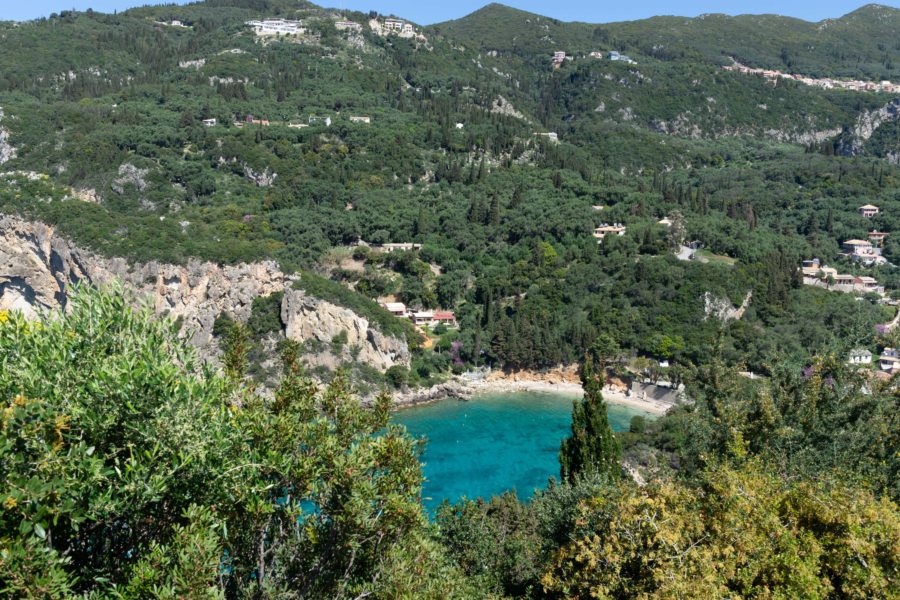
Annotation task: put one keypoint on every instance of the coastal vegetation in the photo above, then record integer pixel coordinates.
(130, 473)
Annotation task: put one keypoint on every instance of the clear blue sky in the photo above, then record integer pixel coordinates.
(425, 12)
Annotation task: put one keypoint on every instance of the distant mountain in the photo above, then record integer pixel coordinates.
(864, 43)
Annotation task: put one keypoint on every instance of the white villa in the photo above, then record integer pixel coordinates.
(276, 27)
(398, 26)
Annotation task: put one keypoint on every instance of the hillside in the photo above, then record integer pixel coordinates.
(170, 133)
(861, 44)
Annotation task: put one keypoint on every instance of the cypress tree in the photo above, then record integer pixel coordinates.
(495, 209)
(592, 447)
(420, 223)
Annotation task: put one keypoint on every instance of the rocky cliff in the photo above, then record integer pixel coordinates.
(38, 269)
(308, 319)
(852, 140)
(7, 152)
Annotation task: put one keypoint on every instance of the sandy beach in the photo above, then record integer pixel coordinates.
(564, 388)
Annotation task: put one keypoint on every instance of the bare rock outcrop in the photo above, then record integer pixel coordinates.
(7, 151)
(722, 309)
(852, 140)
(38, 269)
(309, 319)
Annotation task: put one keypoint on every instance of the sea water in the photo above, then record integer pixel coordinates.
(494, 443)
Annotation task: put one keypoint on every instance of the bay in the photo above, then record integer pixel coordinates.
(495, 442)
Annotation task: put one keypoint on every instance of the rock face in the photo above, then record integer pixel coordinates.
(450, 389)
(722, 309)
(852, 140)
(38, 269)
(7, 151)
(308, 319)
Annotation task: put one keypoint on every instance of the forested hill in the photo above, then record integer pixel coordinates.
(862, 44)
(174, 132)
(646, 217)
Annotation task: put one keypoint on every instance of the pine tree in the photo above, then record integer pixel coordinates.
(593, 447)
(495, 209)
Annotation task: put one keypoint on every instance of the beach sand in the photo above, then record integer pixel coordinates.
(611, 395)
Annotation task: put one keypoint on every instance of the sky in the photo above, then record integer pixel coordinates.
(591, 11)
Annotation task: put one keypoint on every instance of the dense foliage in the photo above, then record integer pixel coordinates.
(127, 473)
(110, 108)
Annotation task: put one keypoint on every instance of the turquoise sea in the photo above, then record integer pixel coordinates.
(494, 443)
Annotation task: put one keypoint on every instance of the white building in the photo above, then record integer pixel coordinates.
(348, 25)
(860, 356)
(618, 56)
(276, 27)
(398, 26)
(360, 119)
(314, 120)
(210, 122)
(398, 309)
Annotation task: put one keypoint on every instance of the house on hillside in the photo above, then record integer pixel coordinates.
(398, 309)
(316, 120)
(889, 360)
(348, 26)
(868, 210)
(618, 56)
(811, 268)
(877, 238)
(422, 317)
(844, 282)
(867, 284)
(403, 246)
(210, 122)
(559, 58)
(360, 119)
(606, 229)
(276, 27)
(857, 247)
(860, 356)
(398, 26)
(446, 317)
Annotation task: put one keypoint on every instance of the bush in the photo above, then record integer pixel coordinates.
(397, 376)
(122, 463)
(638, 424)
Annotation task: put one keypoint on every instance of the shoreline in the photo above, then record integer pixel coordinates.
(465, 390)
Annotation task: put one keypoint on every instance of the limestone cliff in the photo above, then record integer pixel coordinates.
(7, 151)
(852, 141)
(310, 319)
(38, 269)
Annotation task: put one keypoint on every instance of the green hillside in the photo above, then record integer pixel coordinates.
(643, 221)
(862, 44)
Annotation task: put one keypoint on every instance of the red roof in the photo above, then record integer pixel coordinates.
(446, 315)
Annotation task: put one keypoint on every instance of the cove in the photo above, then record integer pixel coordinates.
(494, 442)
